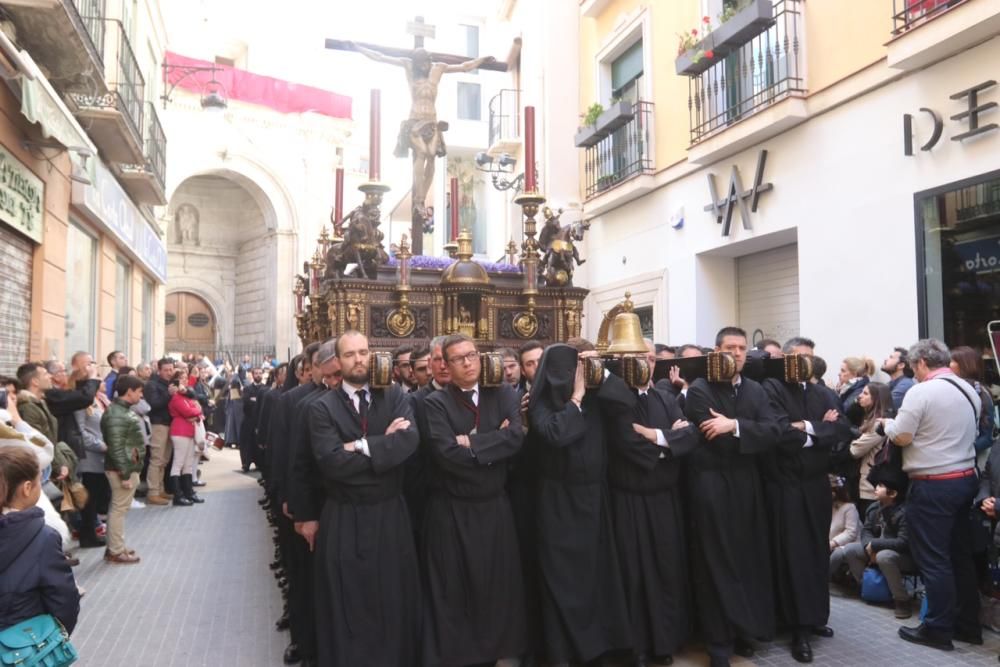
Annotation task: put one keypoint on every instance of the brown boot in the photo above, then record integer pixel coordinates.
(157, 500)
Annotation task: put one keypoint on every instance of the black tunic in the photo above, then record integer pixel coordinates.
(252, 396)
(799, 503)
(367, 578)
(649, 517)
(583, 607)
(281, 443)
(472, 567)
(415, 478)
(730, 560)
(305, 495)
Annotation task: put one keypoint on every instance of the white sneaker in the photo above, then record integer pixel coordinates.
(136, 504)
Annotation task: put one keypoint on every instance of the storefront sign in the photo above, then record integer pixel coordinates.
(108, 203)
(979, 256)
(969, 119)
(737, 196)
(22, 197)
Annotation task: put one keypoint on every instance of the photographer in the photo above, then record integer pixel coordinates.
(186, 416)
(158, 392)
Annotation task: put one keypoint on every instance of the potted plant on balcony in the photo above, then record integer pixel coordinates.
(739, 22)
(617, 114)
(588, 135)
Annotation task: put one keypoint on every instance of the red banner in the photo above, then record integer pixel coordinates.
(277, 94)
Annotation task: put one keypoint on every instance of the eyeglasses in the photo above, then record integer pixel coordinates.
(468, 357)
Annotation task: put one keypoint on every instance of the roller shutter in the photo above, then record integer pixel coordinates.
(768, 287)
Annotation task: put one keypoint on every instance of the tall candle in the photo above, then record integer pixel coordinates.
(454, 208)
(529, 149)
(374, 136)
(338, 200)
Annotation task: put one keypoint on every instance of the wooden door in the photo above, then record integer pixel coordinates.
(190, 323)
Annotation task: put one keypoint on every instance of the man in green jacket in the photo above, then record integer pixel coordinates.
(122, 431)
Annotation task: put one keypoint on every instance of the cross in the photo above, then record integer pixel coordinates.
(419, 30)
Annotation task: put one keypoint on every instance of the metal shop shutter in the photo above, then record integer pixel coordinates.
(15, 300)
(768, 286)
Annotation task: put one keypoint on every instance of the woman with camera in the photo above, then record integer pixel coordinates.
(186, 419)
(876, 400)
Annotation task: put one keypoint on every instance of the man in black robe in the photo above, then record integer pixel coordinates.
(797, 490)
(644, 470)
(731, 568)
(294, 550)
(252, 395)
(583, 607)
(472, 567)
(367, 577)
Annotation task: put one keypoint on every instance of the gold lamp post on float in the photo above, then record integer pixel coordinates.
(526, 322)
(401, 321)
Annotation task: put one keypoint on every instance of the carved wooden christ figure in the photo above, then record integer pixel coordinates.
(421, 135)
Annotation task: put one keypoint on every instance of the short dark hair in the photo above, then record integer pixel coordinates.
(660, 347)
(528, 346)
(797, 341)
(819, 368)
(309, 353)
(4, 381)
(508, 353)
(904, 358)
(729, 331)
(125, 370)
(165, 361)
(453, 339)
(112, 355)
(28, 372)
(420, 351)
(688, 346)
(400, 350)
(969, 362)
(765, 342)
(126, 383)
(581, 344)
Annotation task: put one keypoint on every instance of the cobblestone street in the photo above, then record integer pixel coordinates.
(203, 595)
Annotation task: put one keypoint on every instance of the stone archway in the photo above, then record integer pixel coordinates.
(223, 244)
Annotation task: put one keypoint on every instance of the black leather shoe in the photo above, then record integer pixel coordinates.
(93, 542)
(743, 648)
(922, 635)
(282, 623)
(822, 631)
(801, 650)
(292, 655)
(275, 565)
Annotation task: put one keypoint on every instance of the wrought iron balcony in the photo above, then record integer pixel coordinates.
(751, 77)
(505, 129)
(146, 181)
(66, 37)
(115, 118)
(906, 13)
(623, 154)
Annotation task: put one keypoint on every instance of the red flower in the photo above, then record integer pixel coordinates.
(706, 20)
(694, 31)
(709, 53)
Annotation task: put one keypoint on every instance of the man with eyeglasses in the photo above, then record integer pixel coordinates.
(402, 368)
(476, 611)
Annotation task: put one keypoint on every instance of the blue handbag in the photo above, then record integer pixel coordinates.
(40, 641)
(874, 587)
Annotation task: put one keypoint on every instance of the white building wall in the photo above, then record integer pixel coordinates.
(842, 189)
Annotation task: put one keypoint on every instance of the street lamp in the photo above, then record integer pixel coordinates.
(500, 169)
(213, 97)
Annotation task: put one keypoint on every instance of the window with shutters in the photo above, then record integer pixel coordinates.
(469, 101)
(123, 304)
(81, 290)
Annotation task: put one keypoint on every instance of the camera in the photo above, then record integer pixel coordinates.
(3, 398)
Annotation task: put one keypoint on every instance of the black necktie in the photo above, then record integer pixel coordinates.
(644, 407)
(363, 405)
(470, 396)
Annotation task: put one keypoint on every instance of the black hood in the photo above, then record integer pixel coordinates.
(556, 374)
(17, 530)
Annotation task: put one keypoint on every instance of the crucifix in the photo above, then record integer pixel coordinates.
(421, 136)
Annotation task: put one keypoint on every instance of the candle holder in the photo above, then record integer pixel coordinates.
(526, 323)
(512, 252)
(324, 241)
(316, 265)
(299, 291)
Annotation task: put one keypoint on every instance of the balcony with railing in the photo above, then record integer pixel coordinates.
(927, 31)
(505, 123)
(115, 118)
(146, 181)
(753, 76)
(621, 155)
(65, 37)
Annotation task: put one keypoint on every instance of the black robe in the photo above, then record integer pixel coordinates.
(730, 559)
(648, 513)
(367, 577)
(281, 442)
(267, 407)
(415, 478)
(799, 504)
(252, 396)
(472, 567)
(583, 607)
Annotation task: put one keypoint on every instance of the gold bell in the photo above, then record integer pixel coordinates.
(626, 333)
